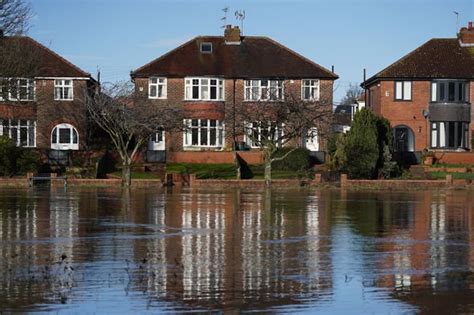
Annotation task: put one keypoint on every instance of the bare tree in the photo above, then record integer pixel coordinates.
(270, 125)
(353, 93)
(129, 119)
(14, 16)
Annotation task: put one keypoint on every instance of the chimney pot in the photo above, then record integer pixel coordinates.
(469, 25)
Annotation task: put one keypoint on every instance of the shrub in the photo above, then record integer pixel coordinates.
(297, 160)
(16, 160)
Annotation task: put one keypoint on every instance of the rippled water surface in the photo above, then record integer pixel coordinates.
(331, 251)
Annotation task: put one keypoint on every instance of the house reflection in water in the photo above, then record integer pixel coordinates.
(235, 249)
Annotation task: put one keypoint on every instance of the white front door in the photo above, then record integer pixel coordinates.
(311, 141)
(157, 141)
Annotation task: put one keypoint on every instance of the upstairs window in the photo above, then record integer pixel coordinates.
(403, 90)
(17, 89)
(204, 89)
(206, 48)
(263, 90)
(157, 88)
(63, 90)
(310, 90)
(449, 91)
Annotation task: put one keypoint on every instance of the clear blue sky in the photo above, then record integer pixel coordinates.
(121, 35)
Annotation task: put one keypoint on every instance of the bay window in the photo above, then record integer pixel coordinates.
(63, 90)
(22, 132)
(204, 89)
(257, 133)
(203, 133)
(403, 90)
(449, 91)
(157, 88)
(263, 90)
(449, 134)
(310, 90)
(17, 89)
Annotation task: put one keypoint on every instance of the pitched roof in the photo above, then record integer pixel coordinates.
(50, 64)
(255, 57)
(437, 58)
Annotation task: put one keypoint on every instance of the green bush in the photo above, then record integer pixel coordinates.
(16, 160)
(297, 160)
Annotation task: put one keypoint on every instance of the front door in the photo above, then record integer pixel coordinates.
(401, 139)
(157, 141)
(311, 142)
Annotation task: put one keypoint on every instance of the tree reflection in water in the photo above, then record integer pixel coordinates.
(236, 249)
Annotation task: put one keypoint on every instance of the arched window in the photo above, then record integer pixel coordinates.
(64, 137)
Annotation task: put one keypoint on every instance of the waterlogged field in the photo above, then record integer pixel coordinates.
(331, 251)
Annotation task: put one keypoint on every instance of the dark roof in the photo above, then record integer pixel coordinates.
(437, 58)
(255, 57)
(50, 64)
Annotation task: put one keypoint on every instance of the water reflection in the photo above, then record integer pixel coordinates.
(177, 250)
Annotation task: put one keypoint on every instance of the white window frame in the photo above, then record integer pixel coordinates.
(71, 145)
(60, 85)
(403, 90)
(190, 83)
(188, 136)
(204, 44)
(159, 82)
(30, 89)
(249, 128)
(313, 86)
(155, 143)
(6, 127)
(256, 90)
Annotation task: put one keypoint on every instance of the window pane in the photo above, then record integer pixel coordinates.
(451, 91)
(434, 136)
(55, 135)
(460, 92)
(204, 136)
(212, 136)
(433, 91)
(213, 92)
(31, 135)
(442, 135)
(407, 90)
(23, 136)
(74, 136)
(153, 90)
(64, 135)
(195, 92)
(442, 92)
(204, 92)
(194, 136)
(398, 90)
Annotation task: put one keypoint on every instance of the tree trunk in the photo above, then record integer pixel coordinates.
(268, 173)
(126, 175)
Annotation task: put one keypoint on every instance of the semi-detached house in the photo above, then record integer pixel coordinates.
(208, 74)
(43, 107)
(427, 95)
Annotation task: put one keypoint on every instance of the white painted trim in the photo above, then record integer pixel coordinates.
(63, 78)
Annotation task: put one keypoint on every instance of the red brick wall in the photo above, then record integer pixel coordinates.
(455, 157)
(218, 110)
(47, 112)
(205, 157)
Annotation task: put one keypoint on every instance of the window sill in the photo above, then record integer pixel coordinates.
(64, 100)
(157, 98)
(202, 148)
(203, 101)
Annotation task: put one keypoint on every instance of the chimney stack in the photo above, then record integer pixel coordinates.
(232, 35)
(466, 36)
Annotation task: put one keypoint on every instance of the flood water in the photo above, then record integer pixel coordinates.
(296, 250)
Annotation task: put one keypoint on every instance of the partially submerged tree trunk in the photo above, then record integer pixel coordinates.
(126, 175)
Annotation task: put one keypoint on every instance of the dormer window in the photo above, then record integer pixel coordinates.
(206, 48)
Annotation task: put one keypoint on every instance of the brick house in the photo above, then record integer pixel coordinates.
(208, 75)
(41, 105)
(427, 95)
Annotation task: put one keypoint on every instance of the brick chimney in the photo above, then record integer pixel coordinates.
(232, 35)
(466, 35)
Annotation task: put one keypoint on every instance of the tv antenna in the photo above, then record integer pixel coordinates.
(457, 20)
(240, 16)
(225, 16)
